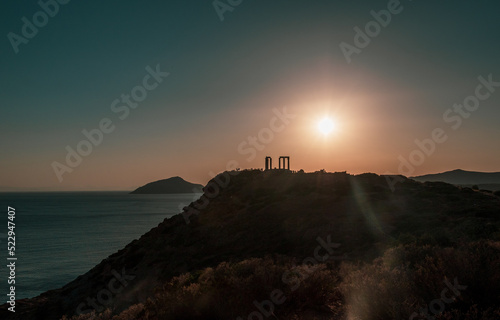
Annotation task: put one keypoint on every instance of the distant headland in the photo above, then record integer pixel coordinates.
(483, 180)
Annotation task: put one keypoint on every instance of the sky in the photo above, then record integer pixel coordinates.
(213, 85)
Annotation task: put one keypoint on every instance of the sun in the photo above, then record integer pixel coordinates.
(326, 126)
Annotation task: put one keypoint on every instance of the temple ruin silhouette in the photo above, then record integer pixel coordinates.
(269, 163)
(283, 161)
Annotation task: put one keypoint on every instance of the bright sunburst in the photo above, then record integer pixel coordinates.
(326, 126)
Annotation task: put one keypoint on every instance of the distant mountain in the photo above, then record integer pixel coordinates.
(171, 185)
(486, 180)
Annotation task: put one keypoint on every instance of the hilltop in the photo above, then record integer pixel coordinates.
(235, 245)
(170, 185)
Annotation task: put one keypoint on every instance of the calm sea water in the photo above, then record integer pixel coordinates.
(60, 236)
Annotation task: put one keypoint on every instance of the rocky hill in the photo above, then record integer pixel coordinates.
(276, 215)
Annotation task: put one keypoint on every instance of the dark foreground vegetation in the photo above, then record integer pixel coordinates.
(419, 280)
(282, 245)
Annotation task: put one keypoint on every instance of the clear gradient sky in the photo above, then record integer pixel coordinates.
(226, 80)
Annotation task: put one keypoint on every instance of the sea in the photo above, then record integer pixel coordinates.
(61, 235)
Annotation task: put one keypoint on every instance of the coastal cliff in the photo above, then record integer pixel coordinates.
(279, 218)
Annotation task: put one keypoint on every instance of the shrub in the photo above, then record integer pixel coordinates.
(403, 281)
(408, 278)
(229, 291)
